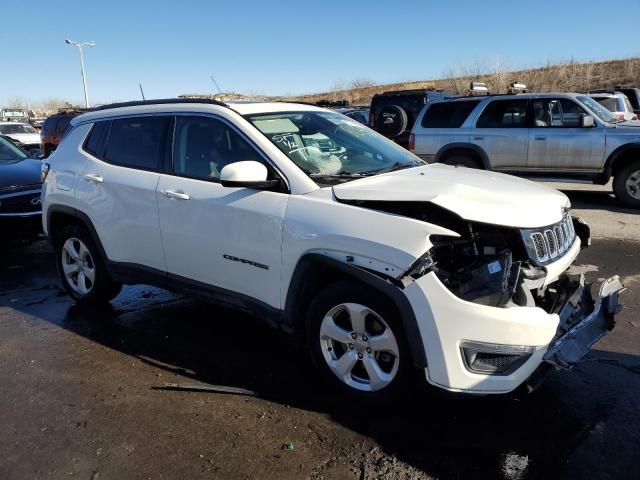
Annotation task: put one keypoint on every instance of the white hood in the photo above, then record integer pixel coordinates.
(475, 195)
(26, 138)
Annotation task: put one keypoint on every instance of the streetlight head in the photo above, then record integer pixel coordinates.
(67, 41)
(92, 43)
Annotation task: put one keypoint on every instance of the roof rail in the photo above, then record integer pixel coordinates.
(161, 101)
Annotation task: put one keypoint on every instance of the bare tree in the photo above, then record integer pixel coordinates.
(362, 83)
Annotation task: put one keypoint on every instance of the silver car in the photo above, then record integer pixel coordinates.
(544, 135)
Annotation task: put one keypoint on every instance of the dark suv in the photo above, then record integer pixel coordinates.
(393, 113)
(54, 129)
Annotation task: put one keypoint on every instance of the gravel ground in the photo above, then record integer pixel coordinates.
(82, 392)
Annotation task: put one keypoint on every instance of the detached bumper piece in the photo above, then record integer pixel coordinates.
(582, 326)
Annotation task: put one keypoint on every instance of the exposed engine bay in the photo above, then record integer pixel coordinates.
(488, 264)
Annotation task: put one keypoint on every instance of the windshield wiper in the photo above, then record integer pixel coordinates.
(396, 166)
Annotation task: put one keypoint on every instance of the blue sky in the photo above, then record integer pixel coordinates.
(282, 47)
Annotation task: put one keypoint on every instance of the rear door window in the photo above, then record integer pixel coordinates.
(448, 114)
(504, 114)
(139, 142)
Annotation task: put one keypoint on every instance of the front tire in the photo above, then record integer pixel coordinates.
(356, 340)
(81, 268)
(626, 184)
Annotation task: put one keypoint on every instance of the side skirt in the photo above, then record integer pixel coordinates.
(130, 273)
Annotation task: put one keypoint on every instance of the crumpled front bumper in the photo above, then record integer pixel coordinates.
(579, 331)
(560, 337)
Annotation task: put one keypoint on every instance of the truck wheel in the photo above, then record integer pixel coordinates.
(462, 161)
(81, 268)
(626, 184)
(356, 340)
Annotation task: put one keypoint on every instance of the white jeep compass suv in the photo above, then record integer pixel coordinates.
(319, 225)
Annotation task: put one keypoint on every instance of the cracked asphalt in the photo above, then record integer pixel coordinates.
(81, 391)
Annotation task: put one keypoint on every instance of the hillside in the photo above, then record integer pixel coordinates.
(566, 77)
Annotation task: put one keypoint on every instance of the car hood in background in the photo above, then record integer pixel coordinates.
(24, 138)
(21, 173)
(474, 195)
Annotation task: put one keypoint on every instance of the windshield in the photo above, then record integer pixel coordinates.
(9, 153)
(332, 148)
(16, 128)
(598, 110)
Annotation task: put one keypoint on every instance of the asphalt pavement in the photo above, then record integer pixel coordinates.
(83, 392)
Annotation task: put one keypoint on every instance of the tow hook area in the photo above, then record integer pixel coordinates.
(578, 335)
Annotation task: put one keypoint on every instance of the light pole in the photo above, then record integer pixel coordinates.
(84, 78)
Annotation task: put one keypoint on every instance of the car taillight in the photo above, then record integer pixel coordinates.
(44, 171)
(412, 142)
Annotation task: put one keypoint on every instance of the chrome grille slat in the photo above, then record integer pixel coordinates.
(551, 242)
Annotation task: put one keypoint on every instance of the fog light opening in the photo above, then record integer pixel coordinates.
(492, 358)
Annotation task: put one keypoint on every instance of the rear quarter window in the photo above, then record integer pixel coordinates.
(97, 138)
(448, 114)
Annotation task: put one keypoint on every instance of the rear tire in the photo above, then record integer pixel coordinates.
(81, 267)
(626, 184)
(356, 340)
(462, 161)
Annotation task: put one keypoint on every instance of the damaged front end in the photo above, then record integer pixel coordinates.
(582, 321)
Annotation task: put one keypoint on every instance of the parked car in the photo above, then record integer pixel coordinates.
(54, 129)
(617, 103)
(319, 225)
(393, 114)
(632, 93)
(548, 136)
(20, 188)
(359, 114)
(23, 134)
(14, 115)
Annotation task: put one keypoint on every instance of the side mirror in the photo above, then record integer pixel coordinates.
(587, 121)
(248, 174)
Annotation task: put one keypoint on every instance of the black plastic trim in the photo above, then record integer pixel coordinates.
(464, 146)
(616, 154)
(160, 101)
(294, 310)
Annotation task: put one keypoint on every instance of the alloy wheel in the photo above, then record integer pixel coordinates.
(633, 185)
(78, 266)
(359, 347)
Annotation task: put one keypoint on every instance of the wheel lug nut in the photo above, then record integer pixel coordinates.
(351, 346)
(360, 355)
(368, 349)
(354, 335)
(365, 338)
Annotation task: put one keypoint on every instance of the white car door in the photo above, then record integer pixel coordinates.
(117, 187)
(220, 237)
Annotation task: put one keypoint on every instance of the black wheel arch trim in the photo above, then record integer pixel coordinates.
(616, 154)
(80, 217)
(464, 146)
(294, 309)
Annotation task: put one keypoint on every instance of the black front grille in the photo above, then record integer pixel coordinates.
(29, 202)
